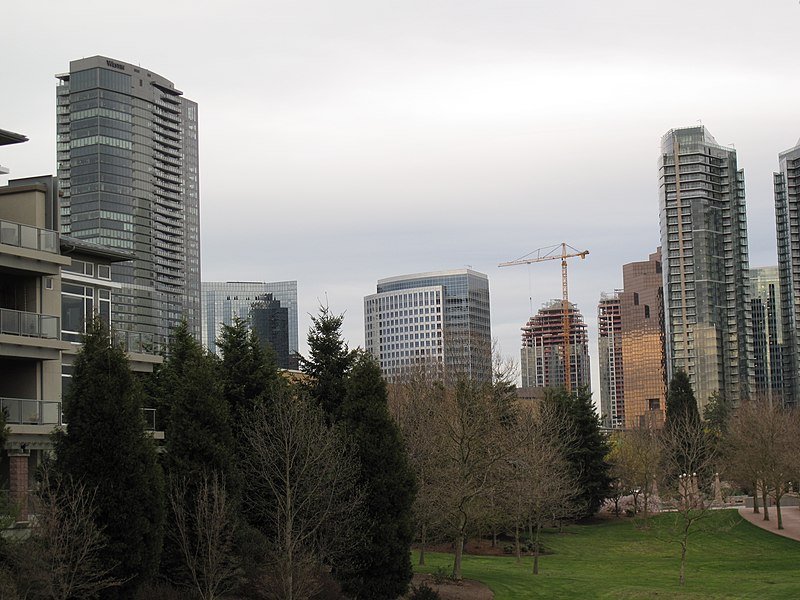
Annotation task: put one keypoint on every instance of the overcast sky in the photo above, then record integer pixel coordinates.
(344, 141)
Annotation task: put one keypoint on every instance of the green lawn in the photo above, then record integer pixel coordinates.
(614, 559)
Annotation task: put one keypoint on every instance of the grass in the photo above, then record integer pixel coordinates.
(731, 558)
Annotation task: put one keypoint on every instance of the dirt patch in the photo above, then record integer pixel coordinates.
(465, 589)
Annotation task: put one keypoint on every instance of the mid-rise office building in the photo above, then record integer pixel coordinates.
(439, 318)
(268, 308)
(544, 349)
(609, 342)
(707, 312)
(787, 223)
(128, 173)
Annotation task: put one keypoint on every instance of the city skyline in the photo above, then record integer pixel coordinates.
(451, 132)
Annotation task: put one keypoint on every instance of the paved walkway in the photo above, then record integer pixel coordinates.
(789, 514)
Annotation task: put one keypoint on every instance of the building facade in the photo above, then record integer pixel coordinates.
(707, 312)
(787, 225)
(225, 301)
(768, 340)
(439, 318)
(609, 342)
(643, 352)
(543, 349)
(50, 286)
(128, 172)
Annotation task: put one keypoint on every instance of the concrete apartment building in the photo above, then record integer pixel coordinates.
(439, 318)
(707, 311)
(50, 285)
(129, 175)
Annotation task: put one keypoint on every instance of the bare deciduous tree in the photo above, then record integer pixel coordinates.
(761, 440)
(203, 532)
(688, 457)
(302, 484)
(65, 556)
(539, 484)
(636, 463)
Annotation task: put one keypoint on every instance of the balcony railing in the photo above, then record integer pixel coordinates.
(27, 236)
(17, 322)
(142, 343)
(21, 411)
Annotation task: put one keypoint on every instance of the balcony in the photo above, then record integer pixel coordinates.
(27, 236)
(134, 342)
(28, 324)
(21, 411)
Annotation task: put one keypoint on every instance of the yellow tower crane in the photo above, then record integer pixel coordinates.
(551, 253)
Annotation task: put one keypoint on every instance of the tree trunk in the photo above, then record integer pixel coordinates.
(457, 559)
(494, 537)
(536, 549)
(422, 536)
(684, 545)
(778, 496)
(765, 500)
(516, 542)
(645, 499)
(755, 500)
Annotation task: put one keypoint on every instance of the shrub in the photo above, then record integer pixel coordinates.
(423, 592)
(440, 575)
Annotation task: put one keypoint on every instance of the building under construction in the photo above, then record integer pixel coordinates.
(543, 344)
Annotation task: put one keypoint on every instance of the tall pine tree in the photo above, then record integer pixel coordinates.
(329, 361)
(588, 450)
(106, 448)
(384, 563)
(681, 403)
(349, 387)
(198, 440)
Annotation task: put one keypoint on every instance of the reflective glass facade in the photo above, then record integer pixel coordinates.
(128, 170)
(768, 338)
(641, 314)
(439, 318)
(787, 224)
(225, 301)
(708, 325)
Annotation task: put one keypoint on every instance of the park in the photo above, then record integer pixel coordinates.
(626, 558)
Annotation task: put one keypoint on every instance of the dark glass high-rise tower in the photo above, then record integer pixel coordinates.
(787, 222)
(128, 171)
(707, 312)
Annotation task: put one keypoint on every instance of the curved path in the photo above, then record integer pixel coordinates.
(790, 516)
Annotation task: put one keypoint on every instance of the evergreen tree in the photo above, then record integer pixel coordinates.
(198, 440)
(588, 450)
(681, 403)
(329, 361)
(249, 372)
(383, 563)
(107, 449)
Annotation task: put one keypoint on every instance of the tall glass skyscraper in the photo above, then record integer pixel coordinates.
(128, 170)
(439, 318)
(768, 345)
(787, 222)
(707, 313)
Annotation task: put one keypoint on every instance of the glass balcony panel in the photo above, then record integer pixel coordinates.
(9, 233)
(29, 237)
(9, 321)
(49, 327)
(48, 241)
(29, 324)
